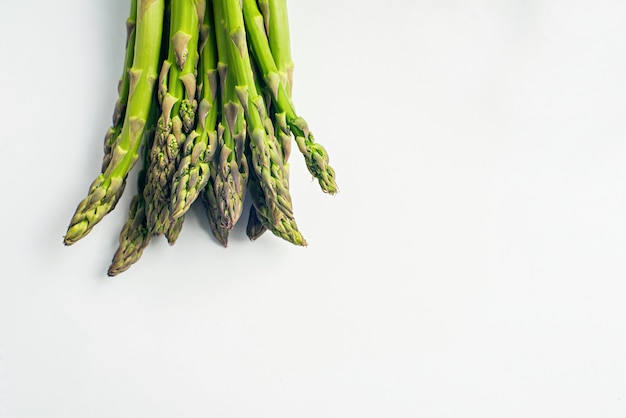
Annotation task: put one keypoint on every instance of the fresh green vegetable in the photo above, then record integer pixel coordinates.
(123, 87)
(177, 90)
(206, 99)
(279, 85)
(230, 168)
(193, 172)
(264, 155)
(108, 187)
(135, 234)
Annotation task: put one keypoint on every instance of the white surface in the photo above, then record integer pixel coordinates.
(473, 264)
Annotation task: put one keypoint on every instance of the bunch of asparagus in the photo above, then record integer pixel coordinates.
(205, 103)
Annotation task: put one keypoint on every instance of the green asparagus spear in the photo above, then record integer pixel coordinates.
(209, 195)
(265, 157)
(122, 87)
(214, 195)
(177, 89)
(193, 170)
(232, 167)
(276, 22)
(315, 155)
(286, 228)
(256, 222)
(107, 188)
(209, 199)
(254, 227)
(135, 236)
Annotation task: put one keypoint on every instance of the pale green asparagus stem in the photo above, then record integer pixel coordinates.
(265, 156)
(107, 188)
(315, 155)
(264, 7)
(193, 170)
(177, 89)
(135, 236)
(122, 87)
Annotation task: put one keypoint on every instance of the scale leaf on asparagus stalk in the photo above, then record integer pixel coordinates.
(107, 188)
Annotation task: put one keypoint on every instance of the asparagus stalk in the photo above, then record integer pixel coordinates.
(193, 170)
(276, 22)
(256, 222)
(107, 188)
(232, 167)
(135, 236)
(177, 89)
(255, 227)
(214, 191)
(264, 157)
(122, 87)
(209, 197)
(315, 154)
(259, 219)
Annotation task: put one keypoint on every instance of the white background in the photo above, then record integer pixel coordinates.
(472, 265)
